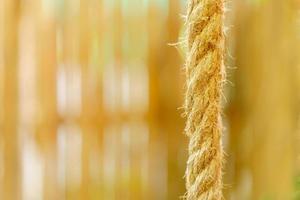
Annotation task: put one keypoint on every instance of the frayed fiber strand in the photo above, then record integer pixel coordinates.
(205, 73)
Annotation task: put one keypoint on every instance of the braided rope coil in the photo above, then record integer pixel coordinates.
(205, 74)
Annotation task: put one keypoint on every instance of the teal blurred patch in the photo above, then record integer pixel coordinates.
(268, 197)
(297, 188)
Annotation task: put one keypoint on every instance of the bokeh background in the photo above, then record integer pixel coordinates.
(91, 94)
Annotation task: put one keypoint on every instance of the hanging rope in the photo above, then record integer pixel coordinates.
(205, 77)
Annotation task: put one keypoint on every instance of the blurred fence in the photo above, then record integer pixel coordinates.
(89, 98)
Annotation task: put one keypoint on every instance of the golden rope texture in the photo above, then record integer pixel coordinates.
(205, 73)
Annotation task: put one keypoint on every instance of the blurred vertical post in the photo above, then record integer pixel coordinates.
(172, 82)
(2, 68)
(86, 98)
(118, 64)
(11, 181)
(157, 140)
(166, 125)
(71, 97)
(95, 95)
(265, 138)
(47, 117)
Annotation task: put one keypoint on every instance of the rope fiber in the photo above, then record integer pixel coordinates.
(205, 75)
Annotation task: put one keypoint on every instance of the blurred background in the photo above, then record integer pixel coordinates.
(91, 91)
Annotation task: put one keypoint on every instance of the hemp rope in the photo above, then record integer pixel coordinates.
(205, 73)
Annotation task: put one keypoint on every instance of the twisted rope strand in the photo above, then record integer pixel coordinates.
(205, 77)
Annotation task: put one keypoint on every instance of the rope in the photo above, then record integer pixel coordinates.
(205, 73)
